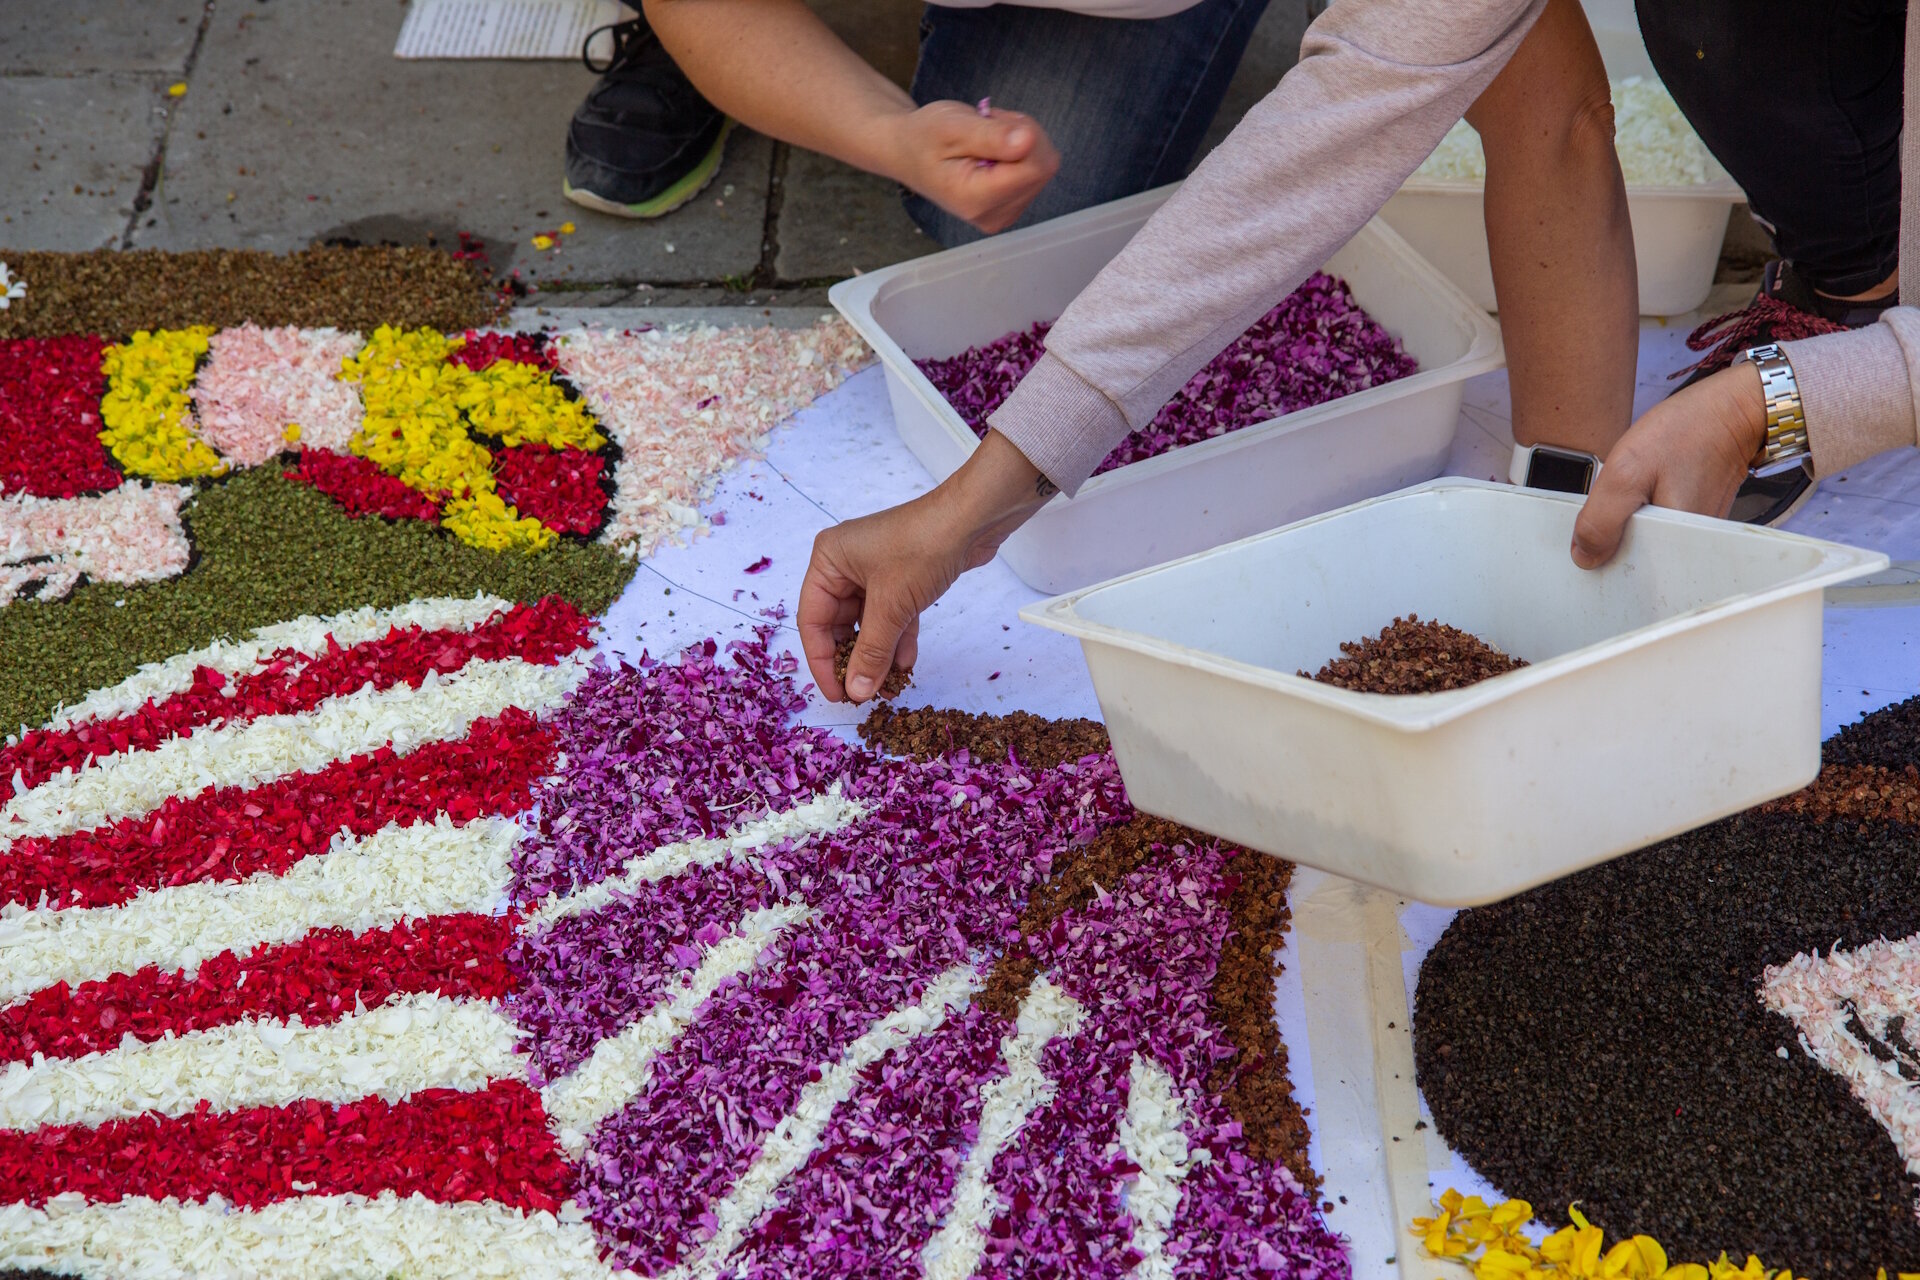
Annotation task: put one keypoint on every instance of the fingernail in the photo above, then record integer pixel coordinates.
(1017, 137)
(860, 687)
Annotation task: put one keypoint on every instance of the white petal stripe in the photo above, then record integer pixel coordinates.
(798, 1133)
(620, 1067)
(307, 635)
(360, 883)
(413, 1042)
(133, 783)
(954, 1251)
(1153, 1136)
(347, 1237)
(822, 815)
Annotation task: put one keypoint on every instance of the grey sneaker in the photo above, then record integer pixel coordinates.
(644, 142)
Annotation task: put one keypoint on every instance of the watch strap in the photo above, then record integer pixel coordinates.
(1786, 437)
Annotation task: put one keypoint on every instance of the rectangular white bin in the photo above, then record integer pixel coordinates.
(1677, 231)
(1203, 494)
(1677, 685)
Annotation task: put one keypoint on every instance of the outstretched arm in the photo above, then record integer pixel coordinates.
(1559, 237)
(775, 66)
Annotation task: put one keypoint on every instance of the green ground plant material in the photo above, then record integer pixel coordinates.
(112, 293)
(267, 550)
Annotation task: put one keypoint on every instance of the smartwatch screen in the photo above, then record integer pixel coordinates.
(1560, 470)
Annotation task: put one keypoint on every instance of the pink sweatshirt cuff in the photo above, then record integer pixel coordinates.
(1857, 390)
(1060, 422)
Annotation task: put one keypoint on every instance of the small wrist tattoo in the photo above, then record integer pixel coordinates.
(1045, 488)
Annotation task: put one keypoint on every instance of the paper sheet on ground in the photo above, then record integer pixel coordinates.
(504, 28)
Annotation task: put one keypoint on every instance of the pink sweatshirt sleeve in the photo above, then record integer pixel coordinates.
(1378, 85)
(1860, 389)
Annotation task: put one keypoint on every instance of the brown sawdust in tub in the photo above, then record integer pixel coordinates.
(892, 687)
(1411, 656)
(1254, 1082)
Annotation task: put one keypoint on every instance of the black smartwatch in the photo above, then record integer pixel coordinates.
(1543, 466)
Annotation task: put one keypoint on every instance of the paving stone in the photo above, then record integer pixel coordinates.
(1746, 250)
(301, 125)
(836, 221)
(73, 149)
(98, 35)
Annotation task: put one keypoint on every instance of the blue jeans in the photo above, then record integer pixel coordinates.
(1126, 101)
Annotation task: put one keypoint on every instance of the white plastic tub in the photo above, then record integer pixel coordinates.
(1677, 231)
(1678, 685)
(1204, 494)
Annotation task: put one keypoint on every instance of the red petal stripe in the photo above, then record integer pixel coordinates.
(445, 1144)
(289, 682)
(319, 978)
(229, 833)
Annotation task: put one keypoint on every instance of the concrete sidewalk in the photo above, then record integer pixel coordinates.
(297, 124)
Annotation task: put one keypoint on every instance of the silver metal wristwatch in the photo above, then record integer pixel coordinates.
(1786, 440)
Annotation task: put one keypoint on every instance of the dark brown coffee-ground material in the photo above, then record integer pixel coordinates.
(1254, 1083)
(1034, 741)
(892, 687)
(1600, 1040)
(1411, 656)
(113, 293)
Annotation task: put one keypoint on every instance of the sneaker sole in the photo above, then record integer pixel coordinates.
(696, 181)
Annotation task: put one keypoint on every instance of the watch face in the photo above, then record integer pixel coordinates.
(1560, 470)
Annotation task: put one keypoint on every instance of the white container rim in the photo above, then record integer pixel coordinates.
(1421, 713)
(854, 299)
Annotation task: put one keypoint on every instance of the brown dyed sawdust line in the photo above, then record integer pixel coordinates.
(1034, 741)
(114, 293)
(1254, 1083)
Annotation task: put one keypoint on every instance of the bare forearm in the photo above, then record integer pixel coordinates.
(1560, 239)
(776, 67)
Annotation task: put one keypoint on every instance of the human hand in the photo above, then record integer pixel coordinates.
(1690, 452)
(882, 570)
(985, 169)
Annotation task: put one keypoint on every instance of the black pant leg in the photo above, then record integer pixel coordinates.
(1801, 101)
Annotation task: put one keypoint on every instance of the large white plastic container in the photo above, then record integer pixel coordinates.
(1204, 494)
(1677, 231)
(1677, 685)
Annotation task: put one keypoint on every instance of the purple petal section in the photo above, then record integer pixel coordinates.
(938, 872)
(1142, 961)
(877, 1188)
(667, 751)
(587, 977)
